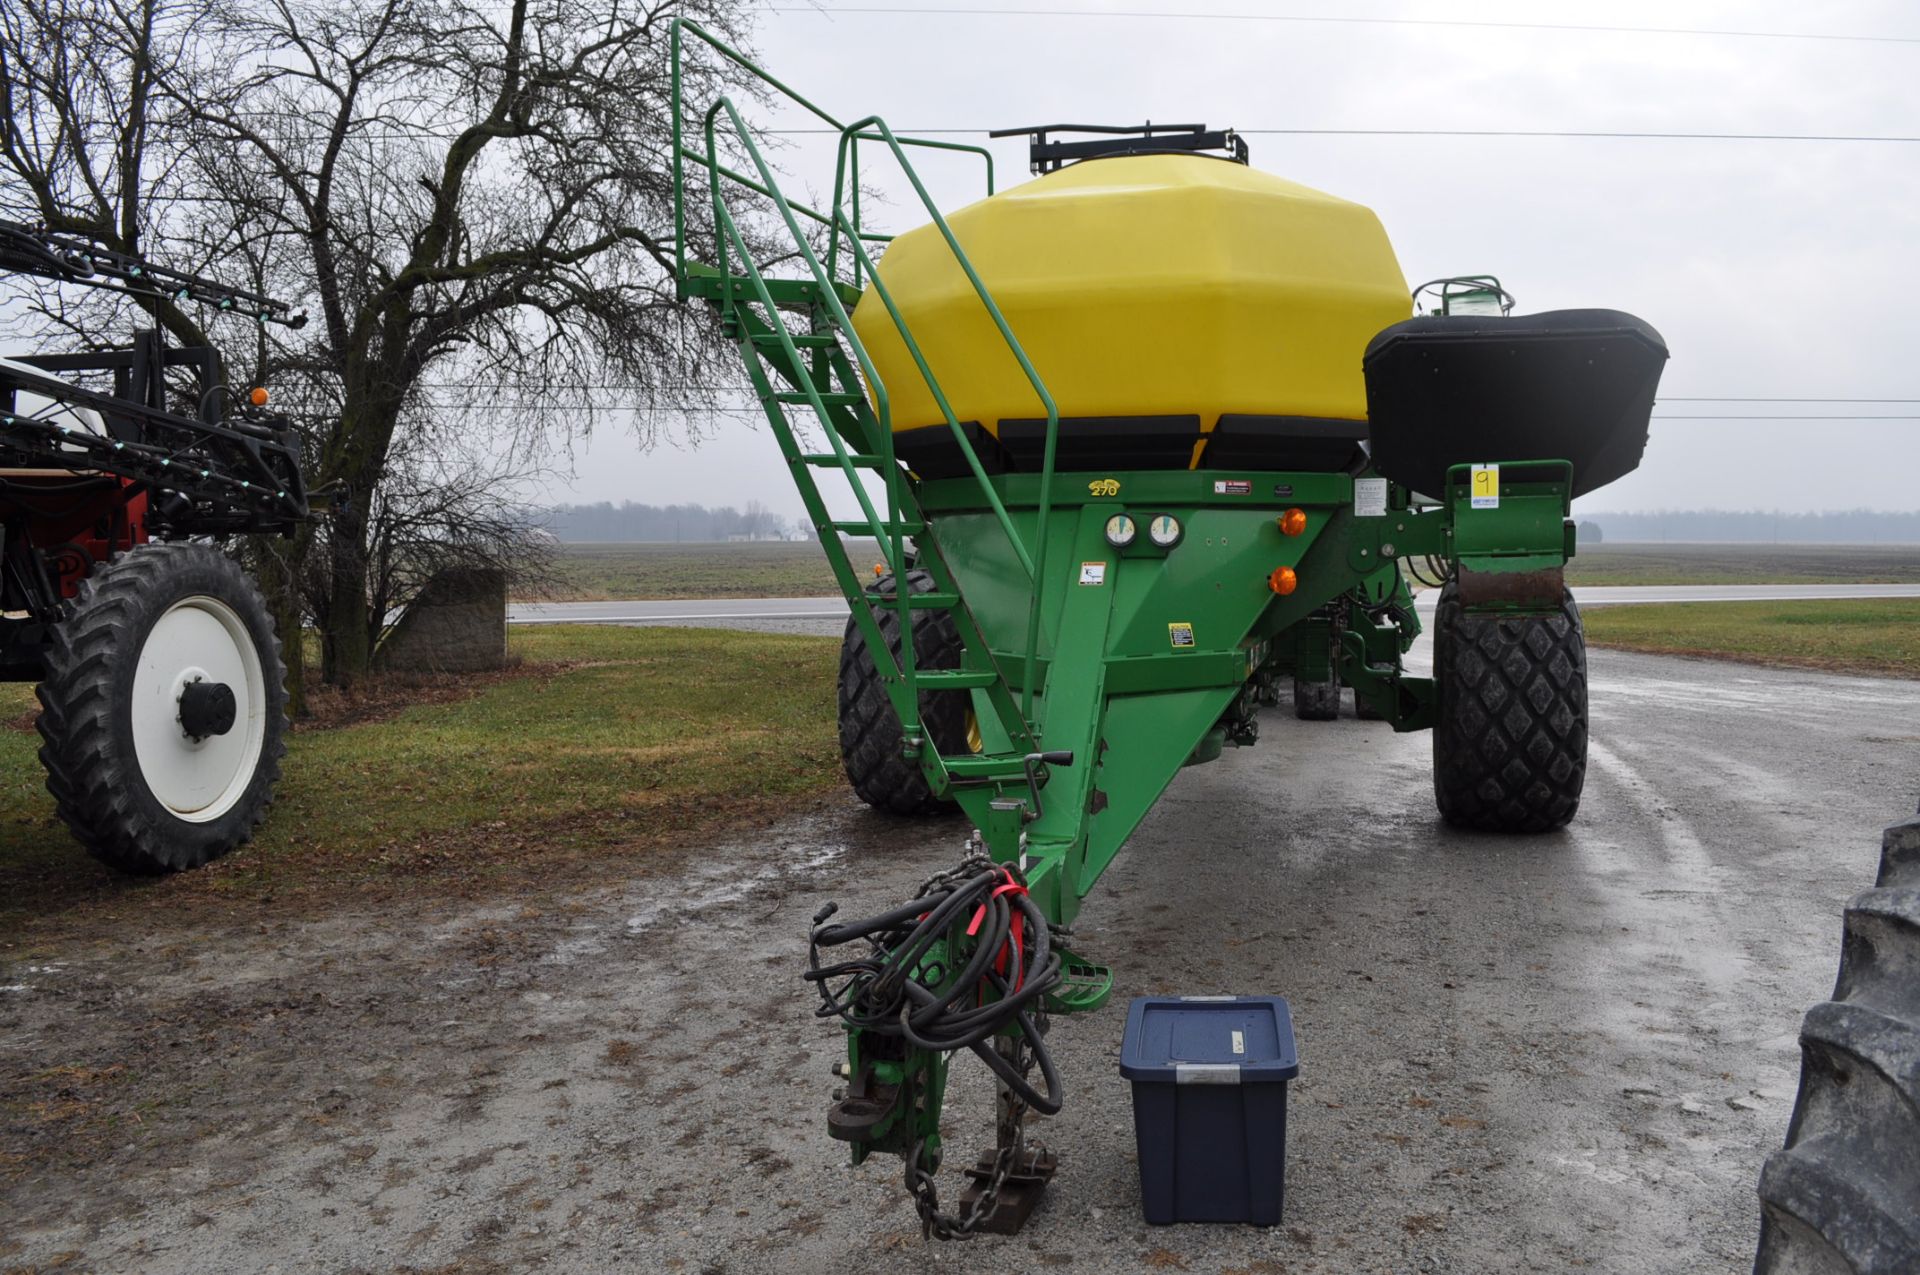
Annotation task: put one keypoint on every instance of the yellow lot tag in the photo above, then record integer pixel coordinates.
(1180, 634)
(1486, 487)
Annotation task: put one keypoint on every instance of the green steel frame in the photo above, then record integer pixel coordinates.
(1096, 673)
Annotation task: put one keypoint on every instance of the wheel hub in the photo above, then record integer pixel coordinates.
(198, 711)
(207, 709)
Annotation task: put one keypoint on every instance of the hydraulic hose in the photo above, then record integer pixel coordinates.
(999, 961)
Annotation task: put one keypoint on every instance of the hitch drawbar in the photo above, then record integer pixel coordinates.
(967, 963)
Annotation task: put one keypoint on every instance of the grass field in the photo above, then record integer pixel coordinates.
(1880, 637)
(597, 572)
(610, 740)
(1745, 564)
(758, 569)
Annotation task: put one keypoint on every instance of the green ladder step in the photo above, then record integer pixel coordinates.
(801, 340)
(984, 765)
(916, 601)
(827, 460)
(706, 282)
(947, 679)
(831, 398)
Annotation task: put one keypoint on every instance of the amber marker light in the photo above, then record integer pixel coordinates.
(1283, 581)
(257, 396)
(879, 569)
(1293, 522)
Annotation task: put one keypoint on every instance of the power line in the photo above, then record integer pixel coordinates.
(1311, 19)
(1456, 132)
(391, 132)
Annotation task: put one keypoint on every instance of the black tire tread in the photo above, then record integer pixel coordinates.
(1510, 734)
(1316, 701)
(95, 788)
(1839, 1196)
(870, 737)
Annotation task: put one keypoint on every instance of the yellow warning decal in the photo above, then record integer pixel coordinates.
(1486, 486)
(1180, 633)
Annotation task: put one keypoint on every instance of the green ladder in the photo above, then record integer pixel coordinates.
(803, 358)
(793, 371)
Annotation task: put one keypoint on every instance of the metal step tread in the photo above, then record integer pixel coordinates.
(953, 679)
(801, 340)
(915, 601)
(829, 398)
(829, 460)
(986, 765)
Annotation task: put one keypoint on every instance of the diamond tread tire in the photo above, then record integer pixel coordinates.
(870, 738)
(1510, 734)
(1843, 1196)
(86, 710)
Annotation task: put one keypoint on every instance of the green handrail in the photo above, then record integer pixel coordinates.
(1036, 567)
(839, 223)
(888, 533)
(723, 217)
(681, 152)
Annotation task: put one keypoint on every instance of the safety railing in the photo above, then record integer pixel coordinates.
(845, 228)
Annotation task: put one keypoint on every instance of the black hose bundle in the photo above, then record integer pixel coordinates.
(999, 960)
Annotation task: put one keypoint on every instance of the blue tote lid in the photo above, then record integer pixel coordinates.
(1220, 1040)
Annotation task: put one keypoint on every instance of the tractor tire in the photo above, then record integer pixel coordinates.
(1317, 701)
(1510, 733)
(1840, 1197)
(163, 709)
(870, 737)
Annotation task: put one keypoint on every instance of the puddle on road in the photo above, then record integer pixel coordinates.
(717, 881)
(803, 851)
(39, 973)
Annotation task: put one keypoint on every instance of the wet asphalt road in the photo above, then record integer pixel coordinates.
(1560, 1053)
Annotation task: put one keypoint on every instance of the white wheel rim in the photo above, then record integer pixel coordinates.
(198, 638)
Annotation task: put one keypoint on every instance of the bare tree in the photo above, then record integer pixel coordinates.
(473, 197)
(436, 511)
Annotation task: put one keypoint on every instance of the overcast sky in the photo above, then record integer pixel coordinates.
(1774, 268)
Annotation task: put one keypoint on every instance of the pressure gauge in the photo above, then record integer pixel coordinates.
(1121, 530)
(1164, 530)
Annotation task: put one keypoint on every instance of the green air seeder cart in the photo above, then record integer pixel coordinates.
(1139, 441)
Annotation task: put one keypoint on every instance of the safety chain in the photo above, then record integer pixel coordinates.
(1009, 1145)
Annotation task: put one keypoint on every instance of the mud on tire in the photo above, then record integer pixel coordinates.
(100, 785)
(870, 739)
(1843, 1196)
(1510, 735)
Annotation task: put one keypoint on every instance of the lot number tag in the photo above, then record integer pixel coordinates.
(1486, 486)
